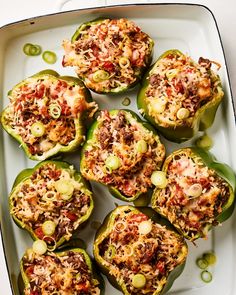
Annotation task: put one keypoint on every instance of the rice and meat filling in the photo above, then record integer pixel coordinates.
(43, 112)
(194, 195)
(55, 274)
(116, 48)
(179, 87)
(121, 136)
(38, 201)
(136, 245)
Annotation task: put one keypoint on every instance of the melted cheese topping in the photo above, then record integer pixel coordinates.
(118, 135)
(33, 102)
(177, 82)
(191, 213)
(37, 200)
(66, 275)
(154, 254)
(101, 47)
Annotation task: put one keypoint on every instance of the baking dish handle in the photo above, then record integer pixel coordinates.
(76, 4)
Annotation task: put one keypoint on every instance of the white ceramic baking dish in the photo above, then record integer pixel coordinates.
(190, 28)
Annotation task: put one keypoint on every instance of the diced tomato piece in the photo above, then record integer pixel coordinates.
(161, 266)
(34, 292)
(139, 217)
(108, 66)
(168, 91)
(96, 50)
(39, 233)
(72, 216)
(29, 270)
(40, 91)
(82, 287)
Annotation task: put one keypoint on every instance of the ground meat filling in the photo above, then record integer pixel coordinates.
(43, 112)
(117, 47)
(178, 83)
(37, 201)
(119, 135)
(176, 201)
(51, 273)
(127, 252)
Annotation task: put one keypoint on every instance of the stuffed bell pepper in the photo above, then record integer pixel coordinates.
(46, 114)
(109, 55)
(139, 252)
(50, 201)
(196, 193)
(53, 273)
(180, 96)
(122, 152)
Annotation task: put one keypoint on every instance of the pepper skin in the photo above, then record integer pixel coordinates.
(108, 64)
(94, 139)
(217, 186)
(27, 178)
(167, 278)
(24, 279)
(203, 117)
(22, 112)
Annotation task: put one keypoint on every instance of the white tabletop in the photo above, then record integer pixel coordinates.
(13, 10)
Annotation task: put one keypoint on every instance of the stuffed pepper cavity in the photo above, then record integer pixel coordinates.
(199, 192)
(139, 251)
(67, 272)
(122, 152)
(109, 55)
(180, 96)
(50, 201)
(46, 114)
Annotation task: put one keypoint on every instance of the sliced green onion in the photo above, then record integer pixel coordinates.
(32, 49)
(145, 227)
(78, 276)
(100, 75)
(157, 106)
(113, 162)
(202, 263)
(35, 50)
(206, 276)
(195, 190)
(49, 196)
(49, 57)
(183, 113)
(210, 257)
(110, 252)
(170, 74)
(39, 247)
(120, 226)
(48, 227)
(141, 146)
(158, 178)
(204, 142)
(139, 281)
(55, 110)
(65, 188)
(126, 101)
(124, 62)
(37, 129)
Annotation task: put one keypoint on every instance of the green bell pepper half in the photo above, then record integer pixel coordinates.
(203, 118)
(221, 169)
(107, 227)
(119, 89)
(25, 175)
(24, 282)
(79, 122)
(91, 138)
